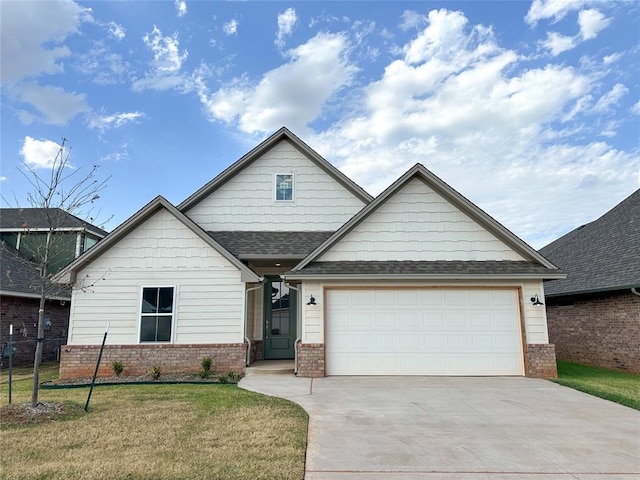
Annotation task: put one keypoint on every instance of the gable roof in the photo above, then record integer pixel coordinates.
(136, 220)
(452, 196)
(246, 160)
(20, 278)
(599, 256)
(17, 219)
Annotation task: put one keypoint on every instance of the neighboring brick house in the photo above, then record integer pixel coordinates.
(594, 314)
(22, 234)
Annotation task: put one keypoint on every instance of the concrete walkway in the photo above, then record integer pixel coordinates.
(436, 428)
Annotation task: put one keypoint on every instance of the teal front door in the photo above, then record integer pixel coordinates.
(279, 320)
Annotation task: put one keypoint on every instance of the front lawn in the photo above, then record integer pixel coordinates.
(619, 387)
(155, 432)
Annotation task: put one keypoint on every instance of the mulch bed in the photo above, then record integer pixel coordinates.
(25, 414)
(166, 378)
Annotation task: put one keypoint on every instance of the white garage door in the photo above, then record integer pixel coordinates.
(430, 331)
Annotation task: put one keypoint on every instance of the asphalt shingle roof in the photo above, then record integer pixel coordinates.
(18, 275)
(19, 218)
(424, 268)
(601, 255)
(246, 245)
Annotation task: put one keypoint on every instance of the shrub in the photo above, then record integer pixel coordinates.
(155, 372)
(206, 363)
(117, 366)
(230, 377)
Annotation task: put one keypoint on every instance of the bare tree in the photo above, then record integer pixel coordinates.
(63, 193)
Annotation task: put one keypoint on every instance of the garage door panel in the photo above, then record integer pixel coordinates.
(423, 332)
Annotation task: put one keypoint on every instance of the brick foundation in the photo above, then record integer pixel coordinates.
(79, 361)
(311, 360)
(22, 313)
(602, 330)
(541, 360)
(256, 351)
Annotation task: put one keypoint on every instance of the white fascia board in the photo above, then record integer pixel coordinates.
(298, 276)
(9, 293)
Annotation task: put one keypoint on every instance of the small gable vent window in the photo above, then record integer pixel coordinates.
(284, 187)
(156, 316)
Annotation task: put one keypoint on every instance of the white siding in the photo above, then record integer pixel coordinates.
(416, 223)
(246, 201)
(535, 315)
(161, 252)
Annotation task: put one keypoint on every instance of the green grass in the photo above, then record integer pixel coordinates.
(619, 387)
(155, 432)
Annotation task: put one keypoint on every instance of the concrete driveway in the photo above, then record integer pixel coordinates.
(436, 428)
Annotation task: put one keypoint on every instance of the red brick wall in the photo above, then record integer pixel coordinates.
(79, 361)
(541, 360)
(23, 314)
(256, 351)
(311, 360)
(602, 330)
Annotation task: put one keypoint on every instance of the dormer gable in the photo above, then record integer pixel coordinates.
(281, 185)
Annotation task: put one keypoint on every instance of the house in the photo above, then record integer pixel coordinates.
(281, 256)
(594, 314)
(23, 232)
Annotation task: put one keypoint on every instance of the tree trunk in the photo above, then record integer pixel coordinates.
(38, 357)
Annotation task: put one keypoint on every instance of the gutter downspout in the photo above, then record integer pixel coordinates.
(246, 313)
(298, 325)
(635, 291)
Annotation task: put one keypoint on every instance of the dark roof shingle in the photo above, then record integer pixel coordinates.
(424, 268)
(254, 244)
(601, 255)
(20, 276)
(20, 218)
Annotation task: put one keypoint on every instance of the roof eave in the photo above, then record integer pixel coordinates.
(11, 293)
(359, 276)
(593, 290)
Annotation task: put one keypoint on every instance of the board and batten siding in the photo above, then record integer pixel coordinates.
(246, 201)
(209, 294)
(416, 223)
(535, 319)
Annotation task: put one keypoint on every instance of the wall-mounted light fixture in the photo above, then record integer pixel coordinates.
(536, 301)
(312, 300)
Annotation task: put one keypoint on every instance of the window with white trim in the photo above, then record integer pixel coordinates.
(284, 187)
(156, 316)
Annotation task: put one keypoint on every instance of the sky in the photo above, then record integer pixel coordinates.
(529, 109)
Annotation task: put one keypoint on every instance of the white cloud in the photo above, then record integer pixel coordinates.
(286, 21)
(116, 31)
(591, 23)
(54, 105)
(610, 59)
(557, 43)
(3, 178)
(166, 65)
(104, 66)
(39, 153)
(553, 9)
(181, 7)
(293, 94)
(411, 19)
(635, 109)
(611, 98)
(31, 37)
(115, 120)
(231, 27)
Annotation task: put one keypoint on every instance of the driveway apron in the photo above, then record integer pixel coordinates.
(432, 428)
